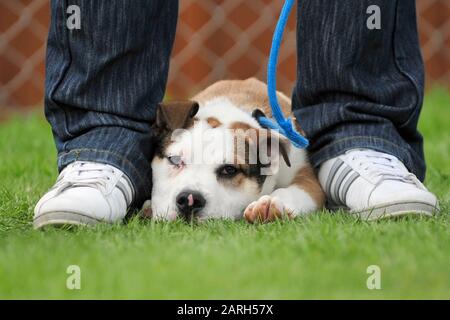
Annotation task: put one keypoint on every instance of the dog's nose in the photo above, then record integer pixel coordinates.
(190, 202)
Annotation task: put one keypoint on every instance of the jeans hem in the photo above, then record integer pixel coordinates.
(111, 158)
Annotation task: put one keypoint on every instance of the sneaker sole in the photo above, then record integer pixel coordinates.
(397, 210)
(63, 218)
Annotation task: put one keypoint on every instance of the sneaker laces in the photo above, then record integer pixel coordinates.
(86, 174)
(381, 166)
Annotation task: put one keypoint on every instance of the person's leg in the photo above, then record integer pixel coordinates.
(104, 80)
(359, 88)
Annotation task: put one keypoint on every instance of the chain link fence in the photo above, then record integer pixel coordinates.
(216, 39)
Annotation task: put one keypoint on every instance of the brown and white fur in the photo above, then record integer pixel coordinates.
(291, 190)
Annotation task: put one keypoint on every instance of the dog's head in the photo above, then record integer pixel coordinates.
(211, 163)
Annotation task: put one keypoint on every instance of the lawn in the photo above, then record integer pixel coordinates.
(322, 256)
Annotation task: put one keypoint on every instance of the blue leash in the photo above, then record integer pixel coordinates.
(282, 125)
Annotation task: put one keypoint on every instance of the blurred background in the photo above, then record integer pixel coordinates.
(216, 39)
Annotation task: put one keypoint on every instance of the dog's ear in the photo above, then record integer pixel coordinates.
(275, 137)
(174, 115)
(258, 113)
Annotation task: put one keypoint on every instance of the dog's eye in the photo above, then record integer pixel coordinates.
(228, 170)
(175, 160)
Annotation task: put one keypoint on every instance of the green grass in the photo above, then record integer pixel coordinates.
(322, 256)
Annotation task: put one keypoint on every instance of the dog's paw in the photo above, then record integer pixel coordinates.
(266, 209)
(146, 210)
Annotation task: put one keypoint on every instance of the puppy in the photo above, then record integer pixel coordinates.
(214, 160)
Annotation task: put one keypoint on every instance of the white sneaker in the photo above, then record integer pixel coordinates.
(374, 185)
(85, 193)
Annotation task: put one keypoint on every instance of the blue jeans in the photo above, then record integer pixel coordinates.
(357, 88)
